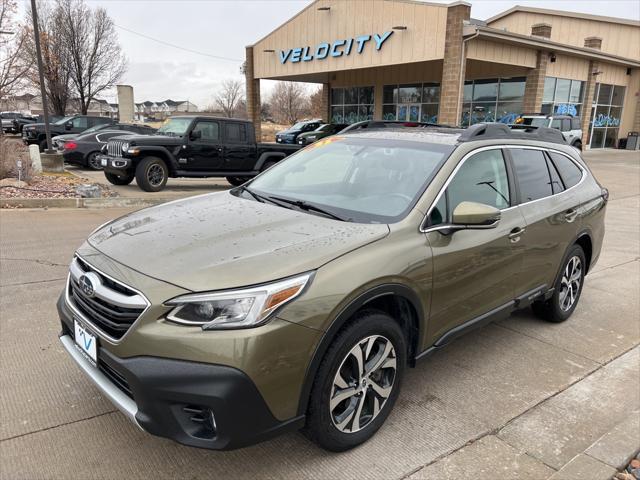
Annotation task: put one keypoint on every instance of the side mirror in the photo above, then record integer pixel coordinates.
(68, 125)
(475, 215)
(195, 135)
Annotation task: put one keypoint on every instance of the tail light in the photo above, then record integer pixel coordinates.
(70, 145)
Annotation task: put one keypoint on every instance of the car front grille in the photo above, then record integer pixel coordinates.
(108, 305)
(114, 148)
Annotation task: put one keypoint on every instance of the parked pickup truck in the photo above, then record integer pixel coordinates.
(190, 146)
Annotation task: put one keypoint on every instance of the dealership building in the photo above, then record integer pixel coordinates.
(419, 61)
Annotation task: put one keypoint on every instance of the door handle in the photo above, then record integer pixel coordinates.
(570, 215)
(515, 234)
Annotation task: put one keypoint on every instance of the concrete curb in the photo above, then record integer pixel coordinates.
(81, 202)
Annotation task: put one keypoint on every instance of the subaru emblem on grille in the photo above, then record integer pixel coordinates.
(86, 285)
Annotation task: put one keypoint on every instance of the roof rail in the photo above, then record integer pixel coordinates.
(487, 131)
(370, 124)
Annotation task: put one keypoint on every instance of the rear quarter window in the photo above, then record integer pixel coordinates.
(532, 174)
(571, 174)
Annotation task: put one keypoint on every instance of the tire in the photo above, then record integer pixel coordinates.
(267, 165)
(117, 180)
(43, 145)
(578, 145)
(92, 161)
(152, 174)
(235, 181)
(339, 428)
(567, 289)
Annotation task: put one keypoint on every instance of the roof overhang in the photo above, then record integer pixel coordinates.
(564, 13)
(539, 43)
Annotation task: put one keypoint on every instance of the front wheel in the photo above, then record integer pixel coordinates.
(567, 289)
(578, 145)
(118, 180)
(152, 174)
(357, 382)
(93, 162)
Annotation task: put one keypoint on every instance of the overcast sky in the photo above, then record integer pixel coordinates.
(224, 27)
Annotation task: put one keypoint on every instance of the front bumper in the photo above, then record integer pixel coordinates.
(196, 404)
(115, 165)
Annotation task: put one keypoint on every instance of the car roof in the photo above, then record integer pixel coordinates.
(445, 136)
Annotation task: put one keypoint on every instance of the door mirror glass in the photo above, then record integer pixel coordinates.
(68, 125)
(472, 214)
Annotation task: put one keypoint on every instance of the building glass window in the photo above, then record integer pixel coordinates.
(605, 115)
(562, 96)
(351, 104)
(492, 100)
(416, 102)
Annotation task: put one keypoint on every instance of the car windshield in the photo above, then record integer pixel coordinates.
(535, 121)
(298, 126)
(324, 128)
(175, 126)
(63, 120)
(364, 180)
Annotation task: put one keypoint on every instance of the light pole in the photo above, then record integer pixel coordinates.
(45, 109)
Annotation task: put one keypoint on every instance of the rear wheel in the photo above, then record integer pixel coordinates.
(267, 165)
(236, 181)
(117, 180)
(567, 289)
(152, 174)
(43, 145)
(93, 162)
(357, 382)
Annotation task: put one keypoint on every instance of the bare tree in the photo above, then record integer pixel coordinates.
(96, 62)
(289, 101)
(55, 60)
(229, 96)
(315, 104)
(12, 66)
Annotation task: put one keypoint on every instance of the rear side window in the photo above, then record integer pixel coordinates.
(569, 171)
(532, 174)
(235, 132)
(556, 181)
(481, 179)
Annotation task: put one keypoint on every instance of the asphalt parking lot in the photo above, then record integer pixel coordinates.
(518, 399)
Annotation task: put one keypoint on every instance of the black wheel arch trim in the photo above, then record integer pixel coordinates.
(266, 156)
(585, 232)
(161, 152)
(341, 320)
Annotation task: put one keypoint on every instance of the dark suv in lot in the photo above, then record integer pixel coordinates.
(190, 147)
(34, 133)
(291, 134)
(299, 299)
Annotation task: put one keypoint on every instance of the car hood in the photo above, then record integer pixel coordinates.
(218, 241)
(137, 139)
(285, 132)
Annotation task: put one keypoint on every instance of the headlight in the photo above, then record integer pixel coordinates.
(125, 146)
(241, 308)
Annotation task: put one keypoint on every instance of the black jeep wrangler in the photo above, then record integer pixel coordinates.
(190, 147)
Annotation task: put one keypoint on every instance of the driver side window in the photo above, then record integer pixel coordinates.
(80, 122)
(208, 130)
(481, 179)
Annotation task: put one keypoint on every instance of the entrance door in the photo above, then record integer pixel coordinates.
(409, 112)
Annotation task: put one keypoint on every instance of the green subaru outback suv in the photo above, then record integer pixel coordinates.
(299, 299)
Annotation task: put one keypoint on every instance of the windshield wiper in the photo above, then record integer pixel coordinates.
(259, 198)
(302, 205)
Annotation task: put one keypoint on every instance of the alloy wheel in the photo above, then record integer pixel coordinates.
(155, 175)
(362, 384)
(94, 162)
(570, 283)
